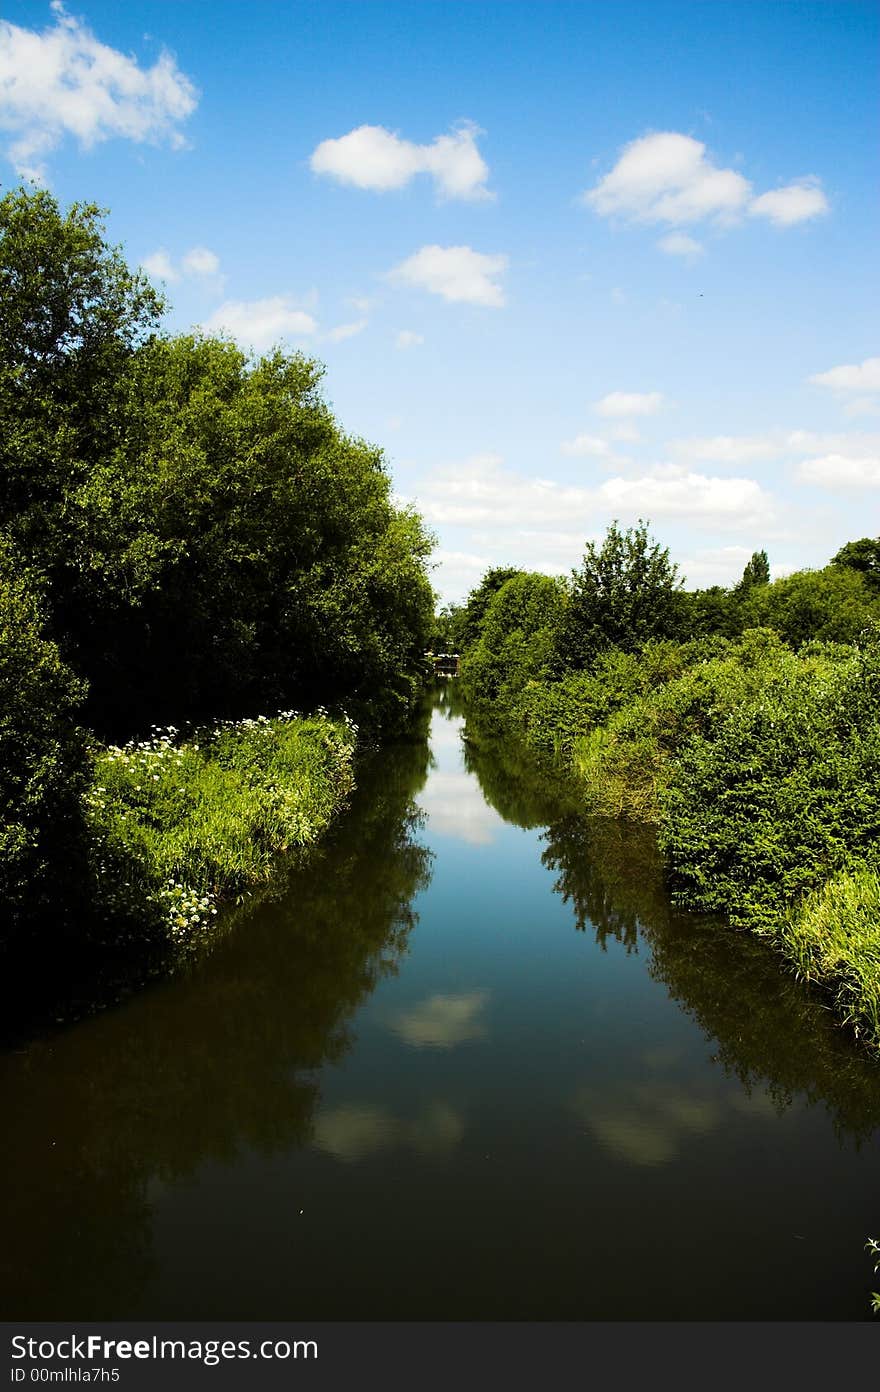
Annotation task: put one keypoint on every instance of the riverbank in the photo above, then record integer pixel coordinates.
(759, 767)
(178, 826)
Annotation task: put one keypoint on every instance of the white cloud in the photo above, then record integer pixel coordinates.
(842, 471)
(481, 493)
(260, 324)
(670, 492)
(372, 157)
(343, 331)
(160, 265)
(667, 177)
(458, 273)
(624, 404)
(744, 449)
(855, 377)
(591, 446)
(625, 430)
(406, 338)
(793, 203)
(862, 406)
(65, 82)
(680, 244)
(201, 261)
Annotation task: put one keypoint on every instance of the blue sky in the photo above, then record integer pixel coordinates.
(564, 261)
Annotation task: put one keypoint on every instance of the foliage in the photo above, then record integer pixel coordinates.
(71, 318)
(467, 619)
(863, 556)
(42, 753)
(177, 827)
(756, 572)
(784, 793)
(212, 542)
(834, 604)
(626, 592)
(833, 938)
(517, 638)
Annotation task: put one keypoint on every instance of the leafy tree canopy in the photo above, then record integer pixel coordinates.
(626, 592)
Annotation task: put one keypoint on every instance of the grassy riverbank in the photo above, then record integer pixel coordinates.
(176, 826)
(758, 762)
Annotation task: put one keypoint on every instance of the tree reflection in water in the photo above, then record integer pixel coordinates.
(767, 1030)
(222, 1057)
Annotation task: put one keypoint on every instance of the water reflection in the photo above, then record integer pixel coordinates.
(405, 1054)
(766, 1030)
(441, 1022)
(221, 1060)
(647, 1125)
(359, 1131)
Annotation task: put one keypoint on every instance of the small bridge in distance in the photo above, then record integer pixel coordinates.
(445, 664)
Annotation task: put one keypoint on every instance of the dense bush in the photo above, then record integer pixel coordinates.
(784, 793)
(517, 637)
(834, 604)
(42, 752)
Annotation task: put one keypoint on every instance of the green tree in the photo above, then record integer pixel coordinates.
(469, 621)
(517, 639)
(863, 556)
(42, 752)
(626, 592)
(834, 604)
(239, 551)
(71, 317)
(756, 572)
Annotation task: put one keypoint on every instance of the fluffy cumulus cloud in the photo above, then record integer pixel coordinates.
(372, 157)
(851, 377)
(260, 324)
(406, 338)
(842, 471)
(625, 404)
(794, 203)
(63, 82)
(680, 244)
(586, 446)
(667, 177)
(199, 263)
(457, 273)
(671, 492)
(481, 492)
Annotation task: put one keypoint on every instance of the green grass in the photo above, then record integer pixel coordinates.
(178, 826)
(833, 940)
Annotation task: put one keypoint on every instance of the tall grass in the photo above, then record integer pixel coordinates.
(178, 825)
(833, 939)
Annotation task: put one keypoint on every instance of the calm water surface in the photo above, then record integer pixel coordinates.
(467, 1063)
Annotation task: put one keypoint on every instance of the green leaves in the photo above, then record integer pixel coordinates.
(626, 592)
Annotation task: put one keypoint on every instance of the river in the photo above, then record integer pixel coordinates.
(465, 1061)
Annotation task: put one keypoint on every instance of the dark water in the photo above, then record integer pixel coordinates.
(467, 1064)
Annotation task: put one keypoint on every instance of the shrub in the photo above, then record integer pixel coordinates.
(785, 791)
